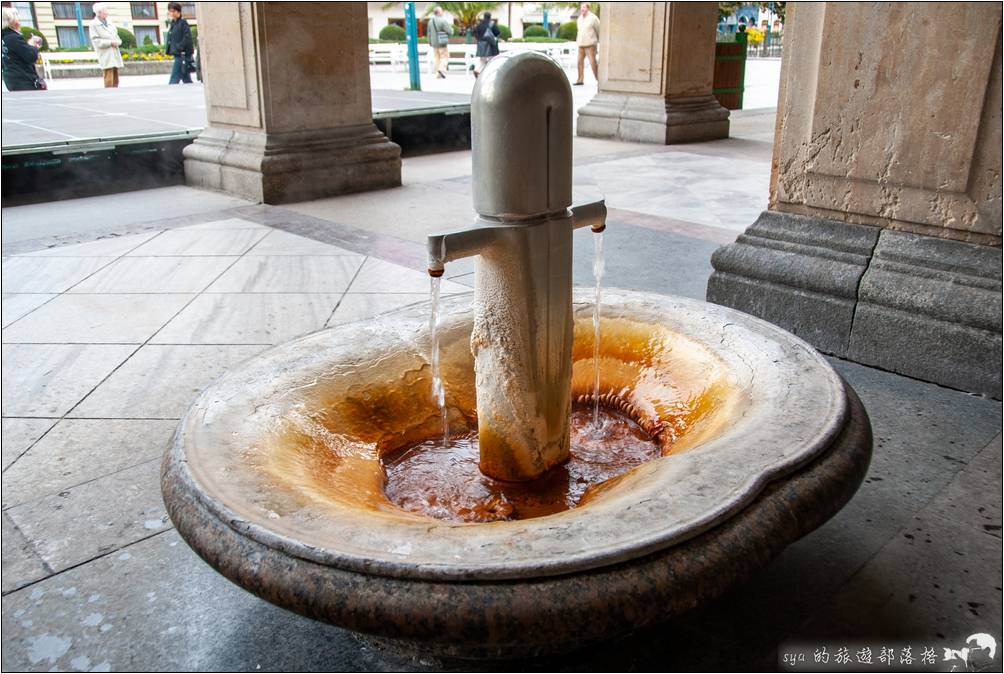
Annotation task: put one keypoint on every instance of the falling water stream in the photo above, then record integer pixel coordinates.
(438, 393)
(598, 269)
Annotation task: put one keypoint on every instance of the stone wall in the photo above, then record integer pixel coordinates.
(883, 239)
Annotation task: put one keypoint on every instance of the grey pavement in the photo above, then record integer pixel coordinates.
(111, 328)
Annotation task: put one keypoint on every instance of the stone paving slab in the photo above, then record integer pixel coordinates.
(156, 275)
(76, 451)
(19, 435)
(93, 518)
(108, 247)
(973, 497)
(97, 319)
(356, 306)
(48, 274)
(47, 380)
(266, 318)
(21, 564)
(160, 382)
(289, 274)
(17, 305)
(184, 241)
(948, 587)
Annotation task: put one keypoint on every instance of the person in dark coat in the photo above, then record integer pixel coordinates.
(179, 45)
(19, 55)
(487, 35)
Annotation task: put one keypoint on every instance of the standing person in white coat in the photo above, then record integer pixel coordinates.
(105, 40)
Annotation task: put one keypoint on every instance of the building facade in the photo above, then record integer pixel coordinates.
(64, 24)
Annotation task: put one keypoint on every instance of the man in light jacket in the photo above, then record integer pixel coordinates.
(439, 31)
(105, 40)
(587, 39)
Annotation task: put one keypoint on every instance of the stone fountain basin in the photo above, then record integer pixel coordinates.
(274, 478)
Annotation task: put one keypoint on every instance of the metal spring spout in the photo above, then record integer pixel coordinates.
(522, 337)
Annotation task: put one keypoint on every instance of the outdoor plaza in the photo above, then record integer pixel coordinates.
(850, 213)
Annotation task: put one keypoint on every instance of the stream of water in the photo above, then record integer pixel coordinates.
(598, 268)
(438, 393)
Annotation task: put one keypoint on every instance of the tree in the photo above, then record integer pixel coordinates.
(727, 9)
(466, 14)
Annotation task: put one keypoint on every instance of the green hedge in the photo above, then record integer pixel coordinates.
(568, 31)
(393, 33)
(127, 38)
(535, 31)
(28, 32)
(504, 32)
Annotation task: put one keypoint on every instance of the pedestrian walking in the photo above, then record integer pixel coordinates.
(587, 38)
(439, 31)
(180, 45)
(106, 42)
(19, 55)
(487, 34)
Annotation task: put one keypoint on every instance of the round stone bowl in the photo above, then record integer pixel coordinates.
(274, 478)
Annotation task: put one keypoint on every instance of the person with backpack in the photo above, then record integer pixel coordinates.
(487, 34)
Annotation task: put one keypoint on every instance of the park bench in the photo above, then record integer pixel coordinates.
(52, 60)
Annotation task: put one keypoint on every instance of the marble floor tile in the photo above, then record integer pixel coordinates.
(946, 588)
(48, 274)
(21, 565)
(973, 498)
(79, 450)
(156, 606)
(156, 275)
(278, 242)
(251, 318)
(288, 274)
(94, 518)
(356, 306)
(161, 382)
(46, 380)
(18, 435)
(91, 319)
(229, 223)
(378, 276)
(201, 242)
(110, 246)
(17, 305)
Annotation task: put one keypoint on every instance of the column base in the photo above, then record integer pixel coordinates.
(277, 168)
(915, 305)
(653, 119)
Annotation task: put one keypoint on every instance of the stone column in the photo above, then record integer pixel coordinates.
(657, 66)
(288, 102)
(883, 239)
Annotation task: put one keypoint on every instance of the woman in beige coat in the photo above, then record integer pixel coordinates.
(105, 40)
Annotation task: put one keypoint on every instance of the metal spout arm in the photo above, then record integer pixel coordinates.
(460, 243)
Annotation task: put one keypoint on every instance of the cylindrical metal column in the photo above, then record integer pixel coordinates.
(521, 112)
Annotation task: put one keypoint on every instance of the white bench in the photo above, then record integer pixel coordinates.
(49, 58)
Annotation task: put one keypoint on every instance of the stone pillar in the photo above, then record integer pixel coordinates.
(883, 239)
(288, 103)
(657, 66)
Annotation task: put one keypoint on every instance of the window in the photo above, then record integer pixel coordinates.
(188, 10)
(143, 10)
(26, 13)
(144, 32)
(69, 36)
(68, 10)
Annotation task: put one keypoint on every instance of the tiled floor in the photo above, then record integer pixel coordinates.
(107, 341)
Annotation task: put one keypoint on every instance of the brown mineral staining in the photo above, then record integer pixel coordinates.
(446, 482)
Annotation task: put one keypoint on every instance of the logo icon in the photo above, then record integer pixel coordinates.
(976, 656)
